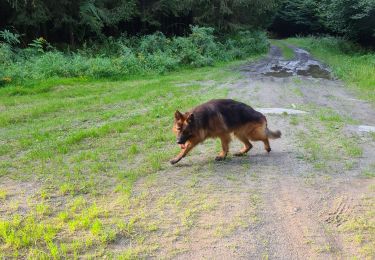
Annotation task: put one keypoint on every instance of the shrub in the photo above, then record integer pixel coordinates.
(10, 37)
(152, 43)
(160, 62)
(127, 56)
(6, 54)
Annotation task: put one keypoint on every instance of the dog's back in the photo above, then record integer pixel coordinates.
(225, 114)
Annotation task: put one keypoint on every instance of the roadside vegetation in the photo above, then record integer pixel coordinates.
(123, 57)
(348, 61)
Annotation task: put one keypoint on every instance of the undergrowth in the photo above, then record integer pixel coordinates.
(126, 56)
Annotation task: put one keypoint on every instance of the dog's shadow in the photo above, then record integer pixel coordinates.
(274, 158)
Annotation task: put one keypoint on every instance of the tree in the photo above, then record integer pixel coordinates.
(352, 18)
(298, 17)
(228, 15)
(66, 19)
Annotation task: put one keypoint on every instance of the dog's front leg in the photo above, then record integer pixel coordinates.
(183, 153)
(225, 140)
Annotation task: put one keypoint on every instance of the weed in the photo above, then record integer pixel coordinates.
(3, 194)
(297, 91)
(324, 142)
(355, 67)
(360, 228)
(286, 51)
(294, 120)
(369, 172)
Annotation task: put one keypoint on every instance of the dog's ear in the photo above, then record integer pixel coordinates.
(178, 115)
(190, 118)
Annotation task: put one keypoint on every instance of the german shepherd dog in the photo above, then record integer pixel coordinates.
(220, 118)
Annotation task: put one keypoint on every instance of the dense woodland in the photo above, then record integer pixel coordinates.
(76, 22)
(42, 39)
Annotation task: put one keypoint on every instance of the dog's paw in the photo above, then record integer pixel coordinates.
(239, 154)
(268, 150)
(219, 158)
(174, 161)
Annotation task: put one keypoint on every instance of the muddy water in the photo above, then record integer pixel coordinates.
(276, 66)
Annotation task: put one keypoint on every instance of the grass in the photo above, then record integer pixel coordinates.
(323, 142)
(360, 229)
(82, 145)
(3, 194)
(286, 51)
(348, 62)
(368, 172)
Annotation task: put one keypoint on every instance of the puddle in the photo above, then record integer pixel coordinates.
(280, 111)
(309, 68)
(279, 71)
(276, 66)
(315, 71)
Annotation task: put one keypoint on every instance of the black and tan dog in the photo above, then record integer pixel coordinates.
(220, 118)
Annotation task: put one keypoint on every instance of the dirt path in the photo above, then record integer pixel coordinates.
(267, 206)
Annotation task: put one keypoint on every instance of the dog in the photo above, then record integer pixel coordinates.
(219, 118)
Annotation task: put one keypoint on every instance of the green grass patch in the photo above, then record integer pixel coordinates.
(286, 51)
(348, 62)
(369, 172)
(324, 143)
(86, 143)
(3, 194)
(360, 228)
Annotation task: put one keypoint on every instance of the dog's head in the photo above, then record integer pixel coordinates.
(183, 127)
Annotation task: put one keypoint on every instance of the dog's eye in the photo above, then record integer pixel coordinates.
(178, 128)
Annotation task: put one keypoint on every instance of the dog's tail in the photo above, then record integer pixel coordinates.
(273, 134)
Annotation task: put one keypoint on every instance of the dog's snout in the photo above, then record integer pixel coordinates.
(181, 139)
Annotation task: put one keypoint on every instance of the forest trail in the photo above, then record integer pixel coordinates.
(294, 203)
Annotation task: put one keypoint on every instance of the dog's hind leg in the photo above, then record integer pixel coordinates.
(259, 133)
(247, 145)
(225, 140)
(267, 146)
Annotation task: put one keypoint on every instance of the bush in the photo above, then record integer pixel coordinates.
(336, 45)
(128, 56)
(6, 54)
(156, 42)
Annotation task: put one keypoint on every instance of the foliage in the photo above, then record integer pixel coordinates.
(40, 45)
(298, 16)
(227, 15)
(350, 18)
(124, 57)
(9, 37)
(72, 20)
(82, 20)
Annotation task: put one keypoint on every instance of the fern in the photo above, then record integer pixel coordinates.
(9, 37)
